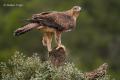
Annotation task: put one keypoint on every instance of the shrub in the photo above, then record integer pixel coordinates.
(20, 67)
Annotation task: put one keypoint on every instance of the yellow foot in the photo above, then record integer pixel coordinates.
(61, 46)
(49, 49)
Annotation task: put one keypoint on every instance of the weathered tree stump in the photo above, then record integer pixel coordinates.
(57, 56)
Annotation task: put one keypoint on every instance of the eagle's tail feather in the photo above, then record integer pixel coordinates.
(25, 29)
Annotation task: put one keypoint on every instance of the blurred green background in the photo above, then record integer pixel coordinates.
(95, 40)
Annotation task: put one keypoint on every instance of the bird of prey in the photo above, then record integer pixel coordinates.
(51, 23)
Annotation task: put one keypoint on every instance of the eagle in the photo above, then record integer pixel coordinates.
(51, 23)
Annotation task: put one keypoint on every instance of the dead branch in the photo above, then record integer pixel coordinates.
(58, 58)
(97, 73)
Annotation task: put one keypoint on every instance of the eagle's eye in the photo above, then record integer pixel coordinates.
(75, 8)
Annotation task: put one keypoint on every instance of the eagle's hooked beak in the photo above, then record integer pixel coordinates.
(79, 8)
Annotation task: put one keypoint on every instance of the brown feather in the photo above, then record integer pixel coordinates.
(57, 20)
(25, 29)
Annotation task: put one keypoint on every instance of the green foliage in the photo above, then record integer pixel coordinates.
(95, 40)
(20, 67)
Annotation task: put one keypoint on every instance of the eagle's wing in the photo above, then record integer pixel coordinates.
(42, 14)
(57, 20)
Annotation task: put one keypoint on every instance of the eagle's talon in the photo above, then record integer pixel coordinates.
(61, 46)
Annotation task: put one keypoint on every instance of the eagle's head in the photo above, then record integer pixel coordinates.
(76, 10)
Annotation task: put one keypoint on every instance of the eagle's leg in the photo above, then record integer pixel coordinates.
(58, 40)
(47, 39)
(44, 40)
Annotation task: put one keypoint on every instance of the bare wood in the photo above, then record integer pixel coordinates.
(57, 56)
(97, 73)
